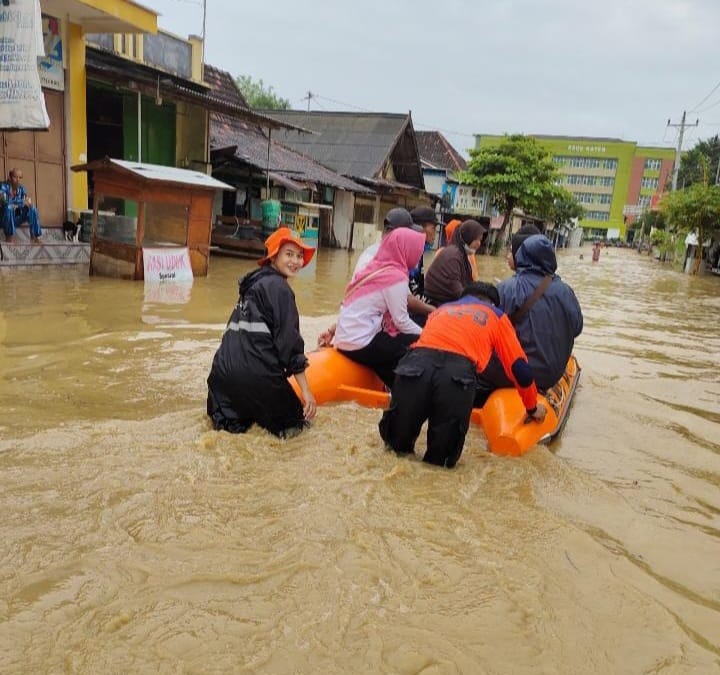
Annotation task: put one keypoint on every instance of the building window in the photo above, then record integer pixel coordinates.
(610, 164)
(644, 200)
(596, 215)
(650, 183)
(604, 199)
(607, 181)
(653, 164)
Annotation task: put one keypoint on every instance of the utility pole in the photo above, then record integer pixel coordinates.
(309, 96)
(678, 151)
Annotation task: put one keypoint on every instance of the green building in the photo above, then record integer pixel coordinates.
(614, 180)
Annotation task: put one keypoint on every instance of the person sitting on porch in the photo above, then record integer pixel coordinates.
(16, 207)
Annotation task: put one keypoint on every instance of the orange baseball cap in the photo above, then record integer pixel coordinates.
(284, 235)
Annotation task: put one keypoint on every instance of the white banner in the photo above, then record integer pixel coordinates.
(22, 104)
(167, 264)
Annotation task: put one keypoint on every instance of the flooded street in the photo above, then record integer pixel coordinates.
(138, 540)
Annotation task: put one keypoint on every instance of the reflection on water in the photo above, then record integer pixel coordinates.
(136, 539)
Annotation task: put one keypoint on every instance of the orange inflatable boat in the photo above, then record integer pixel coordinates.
(333, 378)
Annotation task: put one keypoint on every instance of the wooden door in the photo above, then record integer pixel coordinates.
(40, 155)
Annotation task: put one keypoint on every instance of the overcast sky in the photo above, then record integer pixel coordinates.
(617, 68)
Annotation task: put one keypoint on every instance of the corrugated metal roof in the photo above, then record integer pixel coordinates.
(155, 172)
(108, 65)
(250, 145)
(353, 144)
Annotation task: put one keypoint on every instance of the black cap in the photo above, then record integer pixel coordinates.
(399, 217)
(424, 214)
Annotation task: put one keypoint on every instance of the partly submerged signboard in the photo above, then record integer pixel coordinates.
(22, 104)
(167, 264)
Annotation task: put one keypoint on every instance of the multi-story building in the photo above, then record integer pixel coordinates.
(614, 180)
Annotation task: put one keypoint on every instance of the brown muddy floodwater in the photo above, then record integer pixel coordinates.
(137, 540)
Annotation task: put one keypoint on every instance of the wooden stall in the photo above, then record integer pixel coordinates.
(139, 205)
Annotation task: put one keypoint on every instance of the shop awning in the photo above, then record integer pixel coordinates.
(100, 16)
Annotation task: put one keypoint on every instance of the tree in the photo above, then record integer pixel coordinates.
(695, 209)
(650, 220)
(516, 173)
(258, 95)
(563, 208)
(700, 164)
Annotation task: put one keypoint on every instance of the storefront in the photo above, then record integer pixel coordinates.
(44, 157)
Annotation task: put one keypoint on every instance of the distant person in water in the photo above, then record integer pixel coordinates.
(596, 251)
(435, 381)
(262, 347)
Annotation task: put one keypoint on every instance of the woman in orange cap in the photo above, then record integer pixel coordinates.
(262, 347)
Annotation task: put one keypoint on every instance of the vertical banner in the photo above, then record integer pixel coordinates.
(22, 104)
(50, 66)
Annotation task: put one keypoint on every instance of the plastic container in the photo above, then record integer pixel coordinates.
(270, 216)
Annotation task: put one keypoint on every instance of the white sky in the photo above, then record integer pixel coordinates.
(616, 68)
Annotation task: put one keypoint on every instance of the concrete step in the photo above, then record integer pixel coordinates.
(51, 249)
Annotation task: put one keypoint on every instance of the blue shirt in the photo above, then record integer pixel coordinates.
(9, 199)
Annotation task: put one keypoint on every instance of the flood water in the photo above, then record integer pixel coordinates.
(137, 540)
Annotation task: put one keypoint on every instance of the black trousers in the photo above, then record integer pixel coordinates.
(492, 378)
(382, 354)
(436, 386)
(269, 401)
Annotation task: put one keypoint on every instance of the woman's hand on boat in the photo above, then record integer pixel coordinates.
(310, 407)
(326, 337)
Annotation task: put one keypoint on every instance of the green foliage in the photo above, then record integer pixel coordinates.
(695, 209)
(563, 208)
(258, 95)
(665, 243)
(651, 219)
(516, 173)
(700, 164)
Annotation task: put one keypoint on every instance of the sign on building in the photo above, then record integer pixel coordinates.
(22, 104)
(633, 210)
(50, 66)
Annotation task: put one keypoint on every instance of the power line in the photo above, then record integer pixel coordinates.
(710, 107)
(347, 105)
(712, 91)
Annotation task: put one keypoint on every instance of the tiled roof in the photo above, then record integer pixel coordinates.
(250, 146)
(355, 144)
(436, 151)
(223, 85)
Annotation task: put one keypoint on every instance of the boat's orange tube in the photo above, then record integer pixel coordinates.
(334, 378)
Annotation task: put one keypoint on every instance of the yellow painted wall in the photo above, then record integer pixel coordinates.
(76, 92)
(142, 18)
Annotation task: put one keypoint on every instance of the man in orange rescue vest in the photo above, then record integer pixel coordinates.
(435, 380)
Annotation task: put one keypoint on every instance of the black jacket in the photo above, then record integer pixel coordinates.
(263, 333)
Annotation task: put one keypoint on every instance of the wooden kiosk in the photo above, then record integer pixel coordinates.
(139, 205)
